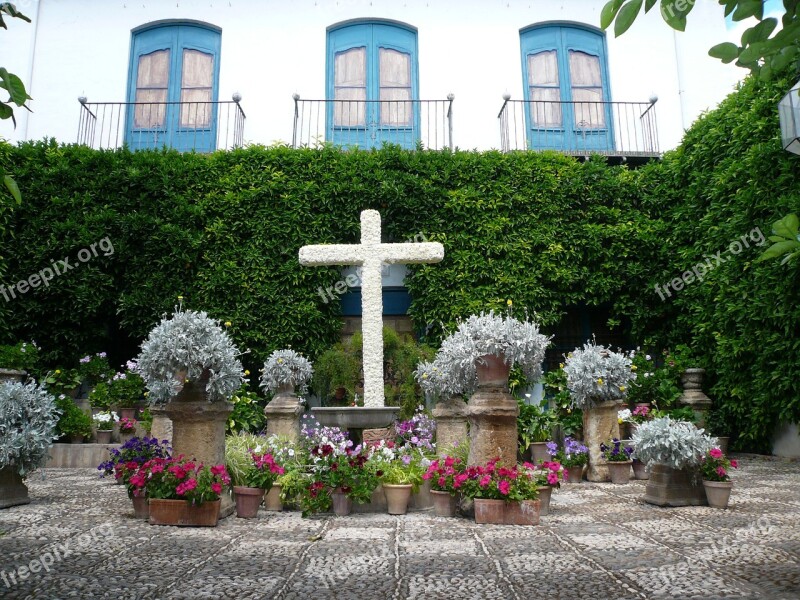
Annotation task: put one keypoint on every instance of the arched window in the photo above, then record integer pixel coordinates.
(173, 87)
(565, 78)
(372, 81)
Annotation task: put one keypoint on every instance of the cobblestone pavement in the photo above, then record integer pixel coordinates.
(599, 541)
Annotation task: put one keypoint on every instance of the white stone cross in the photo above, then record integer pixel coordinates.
(371, 255)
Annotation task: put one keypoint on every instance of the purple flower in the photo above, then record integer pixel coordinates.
(406, 459)
(552, 448)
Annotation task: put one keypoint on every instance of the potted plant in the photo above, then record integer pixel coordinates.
(534, 429)
(28, 417)
(100, 398)
(94, 368)
(286, 370)
(63, 382)
(17, 360)
(182, 492)
(336, 373)
(127, 429)
(619, 460)
(250, 488)
(104, 424)
(351, 477)
(401, 472)
(73, 422)
(672, 451)
(126, 389)
(716, 477)
(446, 476)
(549, 474)
(573, 456)
(503, 495)
(598, 381)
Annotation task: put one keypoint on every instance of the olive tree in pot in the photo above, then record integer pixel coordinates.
(673, 451)
(189, 363)
(28, 417)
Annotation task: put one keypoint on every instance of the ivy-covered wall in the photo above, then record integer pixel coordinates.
(543, 230)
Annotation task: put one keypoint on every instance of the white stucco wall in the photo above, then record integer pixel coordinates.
(273, 48)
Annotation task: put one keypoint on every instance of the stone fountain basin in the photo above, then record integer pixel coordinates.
(356, 417)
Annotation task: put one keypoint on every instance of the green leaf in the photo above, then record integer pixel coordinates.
(609, 12)
(6, 111)
(14, 86)
(751, 54)
(748, 8)
(727, 52)
(787, 227)
(779, 249)
(627, 15)
(674, 13)
(760, 32)
(13, 188)
(649, 4)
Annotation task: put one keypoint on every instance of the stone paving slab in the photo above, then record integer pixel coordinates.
(600, 541)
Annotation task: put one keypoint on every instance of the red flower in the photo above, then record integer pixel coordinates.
(178, 471)
(715, 453)
(216, 488)
(504, 487)
(734, 464)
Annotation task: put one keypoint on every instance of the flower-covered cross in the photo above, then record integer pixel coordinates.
(371, 254)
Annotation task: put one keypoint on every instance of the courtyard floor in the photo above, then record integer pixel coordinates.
(599, 541)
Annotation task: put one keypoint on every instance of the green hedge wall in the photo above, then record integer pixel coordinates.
(541, 229)
(223, 230)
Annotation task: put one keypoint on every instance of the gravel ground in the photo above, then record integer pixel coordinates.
(599, 541)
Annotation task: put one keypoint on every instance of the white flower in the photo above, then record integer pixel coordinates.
(624, 415)
(647, 356)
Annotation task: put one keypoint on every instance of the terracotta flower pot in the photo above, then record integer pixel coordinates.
(444, 503)
(127, 413)
(489, 512)
(272, 501)
(640, 470)
(718, 493)
(76, 439)
(103, 436)
(183, 514)
(620, 471)
(539, 452)
(397, 497)
(575, 474)
(141, 509)
(492, 371)
(342, 504)
(545, 493)
(524, 512)
(248, 499)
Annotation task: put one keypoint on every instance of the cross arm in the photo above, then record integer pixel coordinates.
(331, 254)
(427, 252)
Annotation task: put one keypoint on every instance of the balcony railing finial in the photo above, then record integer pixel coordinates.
(237, 97)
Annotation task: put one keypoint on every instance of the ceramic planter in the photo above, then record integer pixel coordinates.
(444, 503)
(397, 497)
(489, 512)
(640, 470)
(620, 471)
(539, 452)
(141, 509)
(718, 493)
(76, 439)
(248, 499)
(524, 512)
(342, 504)
(127, 413)
(492, 371)
(13, 490)
(674, 487)
(183, 514)
(575, 474)
(272, 501)
(545, 493)
(103, 436)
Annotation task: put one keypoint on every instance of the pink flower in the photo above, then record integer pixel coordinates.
(178, 471)
(216, 488)
(721, 471)
(552, 478)
(734, 464)
(441, 481)
(504, 487)
(715, 453)
(485, 481)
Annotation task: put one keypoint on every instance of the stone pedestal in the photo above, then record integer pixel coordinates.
(283, 415)
(451, 423)
(692, 380)
(599, 425)
(492, 413)
(161, 428)
(13, 375)
(13, 491)
(198, 429)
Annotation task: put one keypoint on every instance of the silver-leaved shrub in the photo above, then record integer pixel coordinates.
(28, 417)
(596, 374)
(188, 345)
(286, 367)
(676, 444)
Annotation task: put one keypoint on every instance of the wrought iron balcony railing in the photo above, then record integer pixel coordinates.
(184, 126)
(371, 123)
(624, 129)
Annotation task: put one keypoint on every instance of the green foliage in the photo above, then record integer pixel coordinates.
(100, 396)
(655, 383)
(786, 240)
(73, 421)
(247, 415)
(534, 424)
(62, 381)
(126, 389)
(724, 186)
(22, 356)
(763, 50)
(8, 81)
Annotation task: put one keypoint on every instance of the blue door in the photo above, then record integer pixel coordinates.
(172, 88)
(372, 84)
(565, 78)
